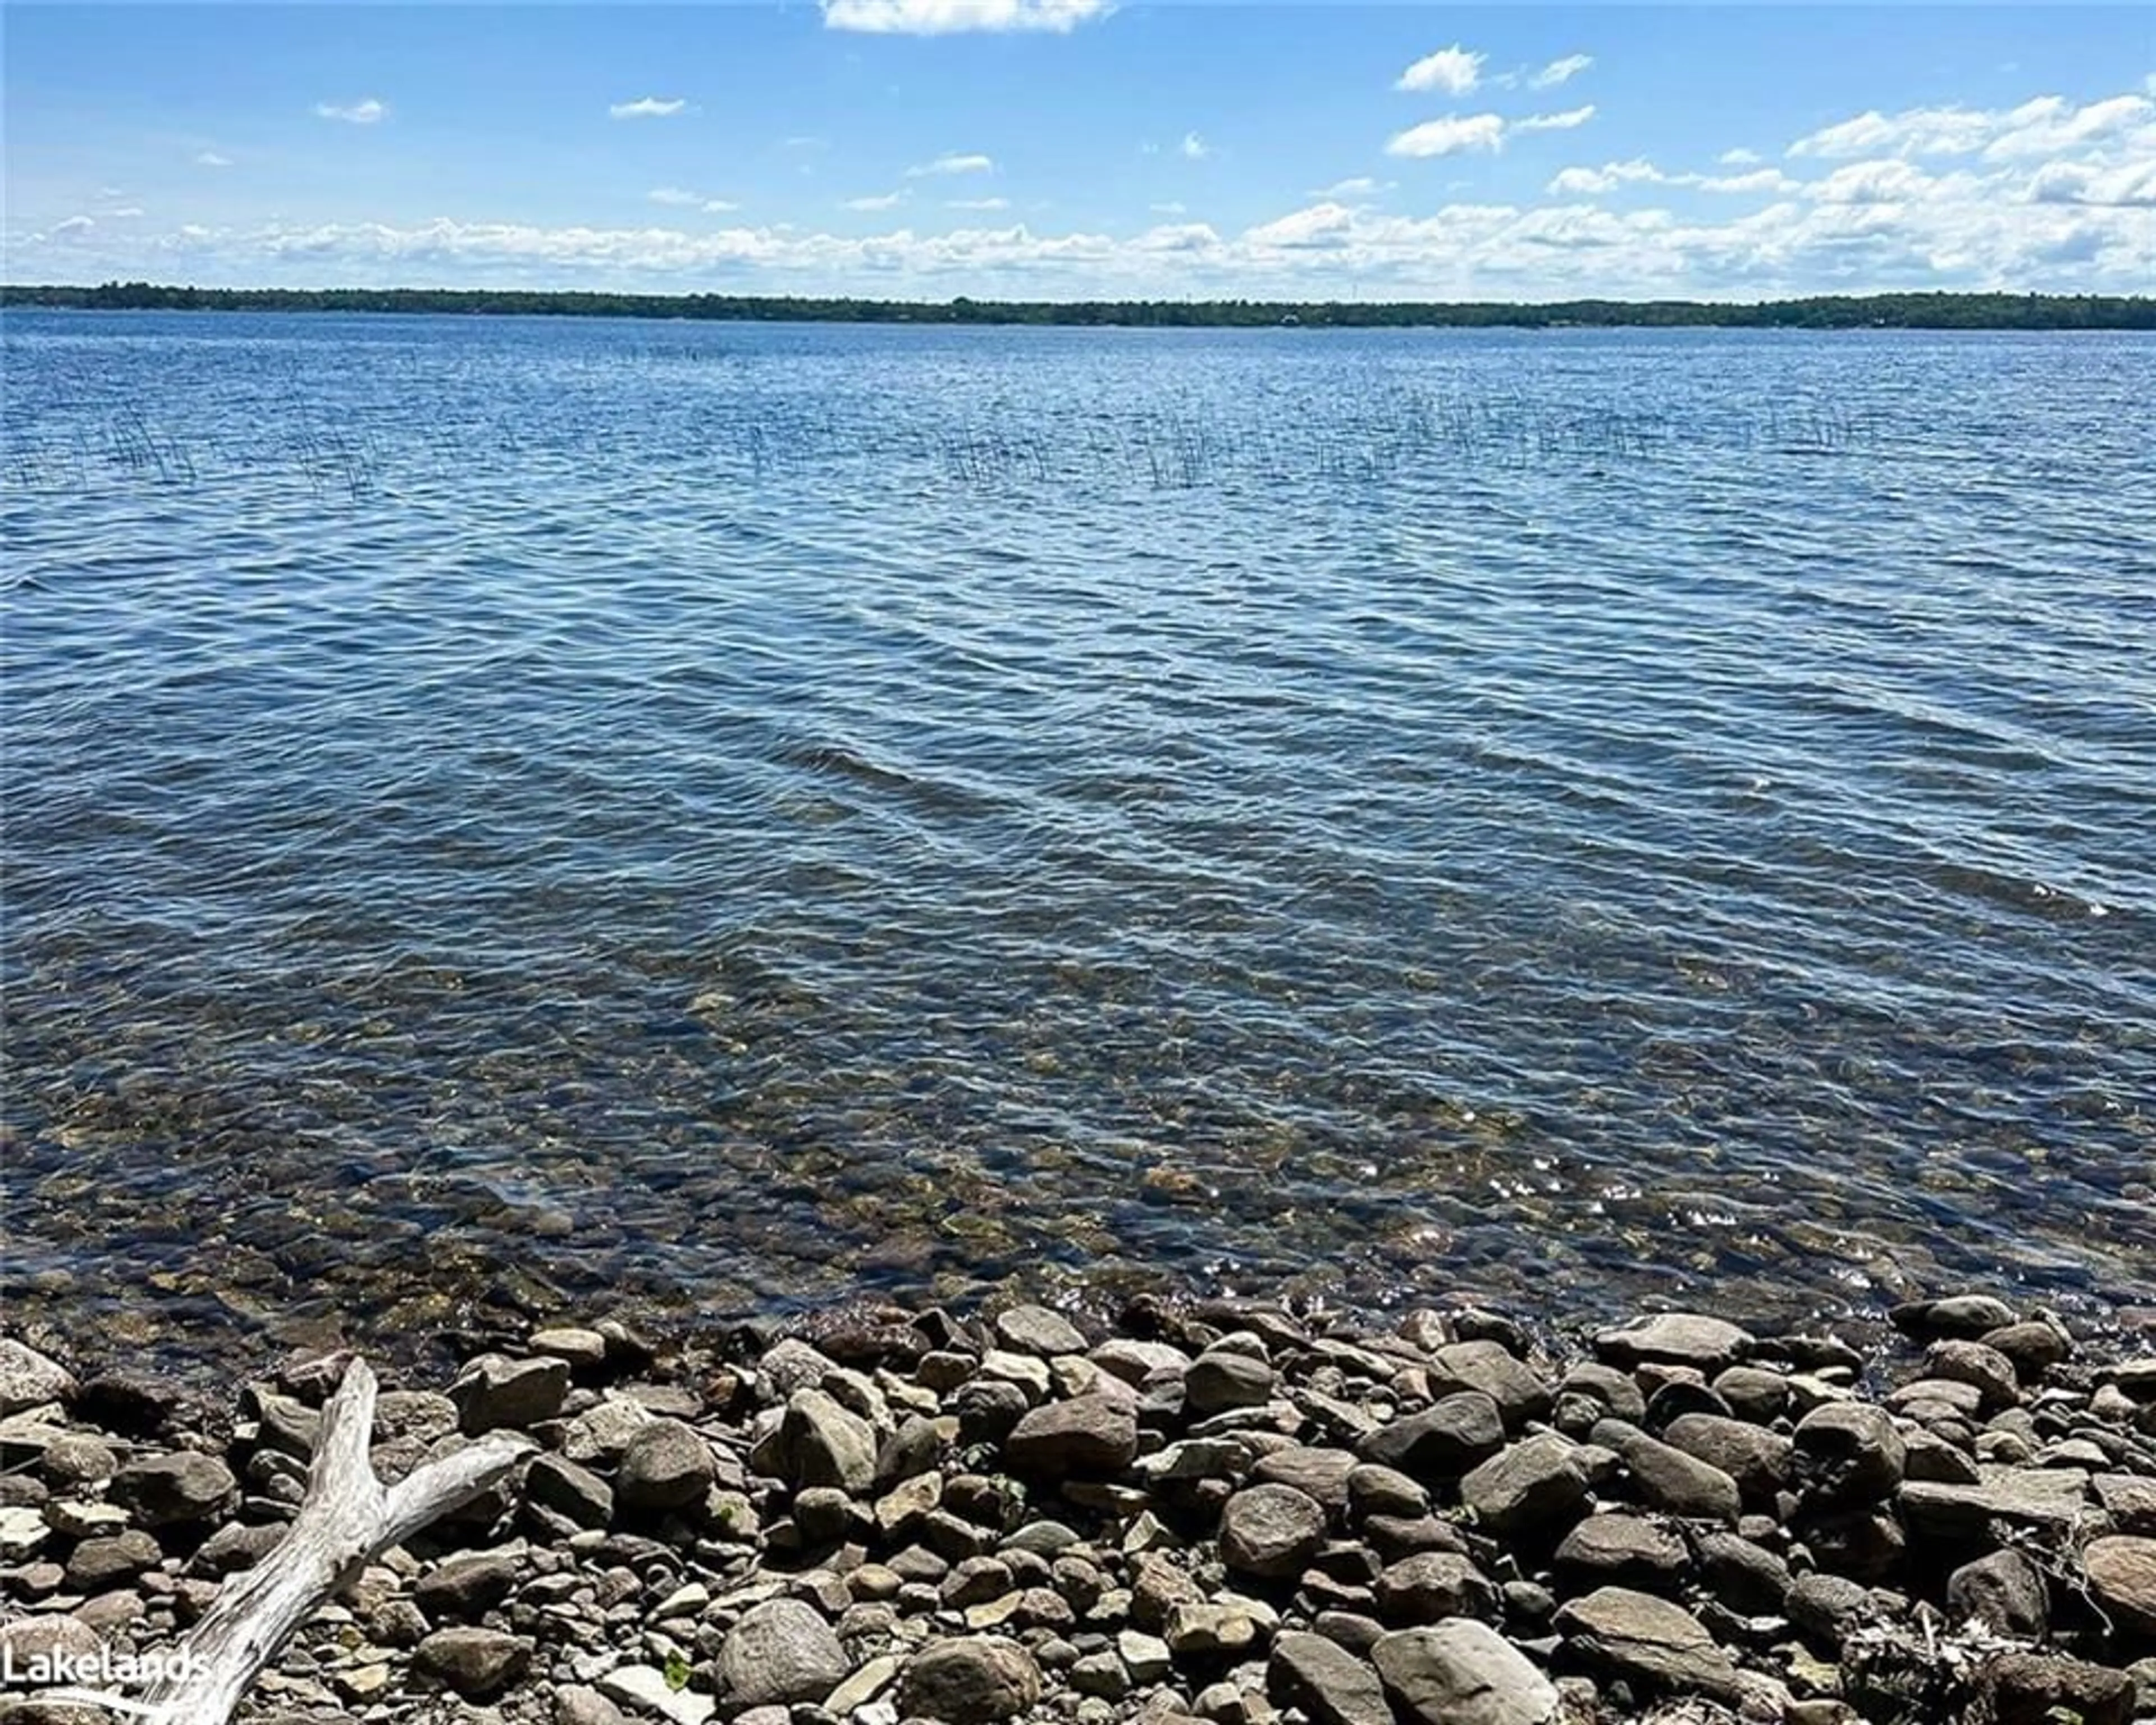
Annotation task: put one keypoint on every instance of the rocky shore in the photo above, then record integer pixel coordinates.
(1223, 1512)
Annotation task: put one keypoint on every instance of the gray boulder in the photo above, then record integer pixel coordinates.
(1432, 1586)
(1848, 1453)
(178, 1490)
(467, 1586)
(1221, 1379)
(823, 1443)
(1462, 1673)
(495, 1391)
(973, 1680)
(1441, 1443)
(1635, 1635)
(1756, 1458)
(474, 1662)
(1321, 1473)
(1326, 1682)
(1666, 1478)
(1087, 1436)
(1035, 1329)
(667, 1465)
(1622, 1550)
(781, 1651)
(2122, 1571)
(1270, 1530)
(27, 1379)
(2043, 1688)
(1680, 1338)
(2005, 1592)
(571, 1490)
(1535, 1487)
(1485, 1366)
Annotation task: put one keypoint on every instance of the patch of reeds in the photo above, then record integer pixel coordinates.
(1390, 432)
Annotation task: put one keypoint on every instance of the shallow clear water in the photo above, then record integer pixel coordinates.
(744, 815)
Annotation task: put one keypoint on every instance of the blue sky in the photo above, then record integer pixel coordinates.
(1070, 148)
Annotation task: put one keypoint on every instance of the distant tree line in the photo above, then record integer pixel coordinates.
(1902, 311)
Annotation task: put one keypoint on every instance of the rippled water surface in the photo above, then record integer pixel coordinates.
(740, 815)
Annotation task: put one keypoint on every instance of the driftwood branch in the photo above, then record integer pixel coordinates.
(346, 1518)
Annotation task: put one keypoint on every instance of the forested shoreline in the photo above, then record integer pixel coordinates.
(1925, 312)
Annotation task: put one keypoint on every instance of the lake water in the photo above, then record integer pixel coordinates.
(739, 816)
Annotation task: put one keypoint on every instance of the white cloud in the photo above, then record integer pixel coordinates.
(1361, 186)
(367, 111)
(2049, 127)
(1454, 71)
(1195, 148)
(2132, 185)
(648, 108)
(1166, 209)
(1965, 232)
(1759, 180)
(677, 197)
(1461, 134)
(210, 158)
(1322, 226)
(1739, 158)
(1454, 135)
(1992, 214)
(946, 17)
(1595, 182)
(977, 203)
(128, 213)
(952, 164)
(1916, 131)
(1889, 181)
(1187, 238)
(1562, 71)
(2071, 168)
(1566, 121)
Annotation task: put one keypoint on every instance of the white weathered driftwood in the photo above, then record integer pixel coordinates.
(346, 1517)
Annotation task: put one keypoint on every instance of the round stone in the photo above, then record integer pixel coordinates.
(1270, 1530)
